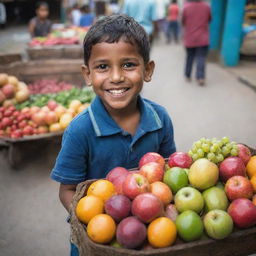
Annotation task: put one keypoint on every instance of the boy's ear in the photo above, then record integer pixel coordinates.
(149, 69)
(86, 74)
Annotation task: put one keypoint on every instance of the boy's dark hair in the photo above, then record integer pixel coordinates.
(40, 4)
(113, 28)
(85, 8)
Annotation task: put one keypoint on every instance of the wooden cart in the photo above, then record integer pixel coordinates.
(18, 148)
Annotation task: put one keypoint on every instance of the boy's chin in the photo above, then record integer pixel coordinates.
(117, 106)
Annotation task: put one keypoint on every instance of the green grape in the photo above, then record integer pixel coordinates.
(198, 144)
(229, 146)
(207, 141)
(225, 140)
(210, 156)
(202, 140)
(218, 151)
(214, 140)
(214, 160)
(206, 148)
(235, 147)
(200, 153)
(219, 143)
(225, 151)
(234, 152)
(219, 158)
(213, 148)
(194, 149)
(233, 143)
(190, 152)
(195, 157)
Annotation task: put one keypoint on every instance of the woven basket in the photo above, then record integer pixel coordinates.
(234, 243)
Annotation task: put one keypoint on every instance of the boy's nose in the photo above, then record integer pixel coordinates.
(116, 76)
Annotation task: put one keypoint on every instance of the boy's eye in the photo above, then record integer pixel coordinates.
(129, 65)
(102, 66)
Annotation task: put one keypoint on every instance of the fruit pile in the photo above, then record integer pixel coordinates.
(12, 91)
(53, 117)
(45, 86)
(151, 207)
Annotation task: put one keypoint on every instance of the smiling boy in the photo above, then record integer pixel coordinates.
(120, 126)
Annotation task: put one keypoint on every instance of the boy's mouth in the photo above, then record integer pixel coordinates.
(118, 92)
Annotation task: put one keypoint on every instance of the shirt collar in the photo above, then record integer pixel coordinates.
(104, 125)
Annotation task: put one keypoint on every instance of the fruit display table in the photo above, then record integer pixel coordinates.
(239, 243)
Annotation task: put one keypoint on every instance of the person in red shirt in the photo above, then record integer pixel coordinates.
(196, 17)
(172, 18)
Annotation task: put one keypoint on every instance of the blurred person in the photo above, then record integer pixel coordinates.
(87, 17)
(100, 9)
(114, 7)
(2, 15)
(196, 17)
(161, 6)
(144, 12)
(173, 25)
(40, 25)
(75, 15)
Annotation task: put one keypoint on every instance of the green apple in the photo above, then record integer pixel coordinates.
(218, 224)
(215, 198)
(189, 226)
(189, 198)
(203, 174)
(176, 178)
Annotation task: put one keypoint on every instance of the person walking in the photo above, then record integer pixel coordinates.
(173, 25)
(196, 17)
(161, 6)
(144, 12)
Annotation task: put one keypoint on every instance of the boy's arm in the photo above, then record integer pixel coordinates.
(66, 193)
(31, 27)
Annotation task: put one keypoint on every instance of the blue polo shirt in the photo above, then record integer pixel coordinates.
(93, 143)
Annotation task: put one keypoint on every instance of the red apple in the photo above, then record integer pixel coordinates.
(118, 207)
(51, 118)
(118, 183)
(6, 121)
(147, 207)
(151, 157)
(134, 185)
(42, 129)
(28, 130)
(231, 166)
(2, 133)
(171, 212)
(34, 109)
(131, 233)
(180, 159)
(244, 153)
(25, 110)
(9, 91)
(254, 199)
(115, 173)
(52, 104)
(2, 97)
(39, 117)
(238, 187)
(16, 134)
(22, 124)
(243, 212)
(152, 171)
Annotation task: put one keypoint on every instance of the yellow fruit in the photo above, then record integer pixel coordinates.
(101, 188)
(101, 229)
(251, 167)
(13, 80)
(75, 104)
(3, 79)
(65, 120)
(22, 95)
(253, 182)
(59, 111)
(83, 107)
(88, 207)
(56, 127)
(162, 232)
(71, 111)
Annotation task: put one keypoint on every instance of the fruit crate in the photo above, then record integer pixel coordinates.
(19, 148)
(55, 52)
(240, 243)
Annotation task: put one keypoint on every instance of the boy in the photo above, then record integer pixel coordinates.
(40, 25)
(119, 127)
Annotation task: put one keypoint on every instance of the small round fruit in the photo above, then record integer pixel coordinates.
(101, 229)
(189, 225)
(104, 189)
(162, 232)
(55, 127)
(75, 104)
(251, 167)
(162, 191)
(65, 120)
(88, 207)
(253, 182)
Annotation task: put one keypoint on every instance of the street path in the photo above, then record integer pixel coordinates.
(32, 218)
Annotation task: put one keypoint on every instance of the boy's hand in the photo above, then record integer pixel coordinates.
(66, 193)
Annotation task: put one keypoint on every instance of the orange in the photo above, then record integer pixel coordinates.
(253, 181)
(102, 188)
(162, 191)
(162, 232)
(251, 166)
(101, 229)
(88, 207)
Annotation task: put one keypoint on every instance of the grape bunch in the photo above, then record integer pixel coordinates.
(213, 149)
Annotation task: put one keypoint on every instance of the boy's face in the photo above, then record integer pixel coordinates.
(42, 12)
(117, 72)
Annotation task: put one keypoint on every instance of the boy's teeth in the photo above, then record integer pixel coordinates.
(117, 92)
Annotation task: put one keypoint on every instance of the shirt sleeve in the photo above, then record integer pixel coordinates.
(167, 146)
(70, 166)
